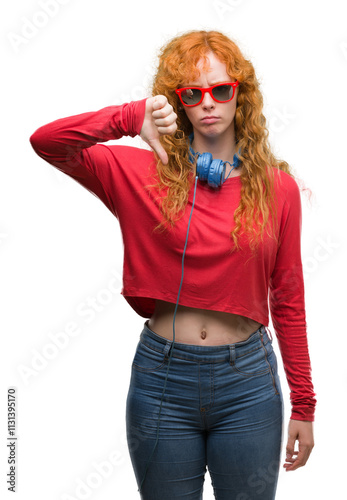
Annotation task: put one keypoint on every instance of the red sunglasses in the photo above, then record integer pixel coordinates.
(192, 96)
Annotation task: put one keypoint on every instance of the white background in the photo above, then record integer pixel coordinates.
(59, 244)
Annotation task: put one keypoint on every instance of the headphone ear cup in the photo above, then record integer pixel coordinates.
(216, 173)
(210, 170)
(203, 166)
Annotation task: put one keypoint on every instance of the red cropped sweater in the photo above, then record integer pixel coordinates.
(215, 279)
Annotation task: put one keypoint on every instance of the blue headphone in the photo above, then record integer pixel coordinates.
(210, 170)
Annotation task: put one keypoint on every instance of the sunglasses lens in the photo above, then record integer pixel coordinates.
(223, 92)
(191, 96)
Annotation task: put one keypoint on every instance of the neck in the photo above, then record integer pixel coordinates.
(222, 147)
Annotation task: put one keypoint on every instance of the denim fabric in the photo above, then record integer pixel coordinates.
(222, 409)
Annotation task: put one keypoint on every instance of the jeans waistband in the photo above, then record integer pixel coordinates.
(199, 353)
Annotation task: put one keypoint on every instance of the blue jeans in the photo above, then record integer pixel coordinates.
(222, 409)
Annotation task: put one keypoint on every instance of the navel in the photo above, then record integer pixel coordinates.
(203, 334)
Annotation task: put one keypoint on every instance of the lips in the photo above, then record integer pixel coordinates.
(209, 119)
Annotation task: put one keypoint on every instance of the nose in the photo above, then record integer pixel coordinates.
(208, 102)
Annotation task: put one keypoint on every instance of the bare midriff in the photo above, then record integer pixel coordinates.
(200, 326)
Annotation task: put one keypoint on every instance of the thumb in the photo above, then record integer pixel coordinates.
(158, 148)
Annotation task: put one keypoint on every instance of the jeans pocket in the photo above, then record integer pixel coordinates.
(251, 363)
(147, 359)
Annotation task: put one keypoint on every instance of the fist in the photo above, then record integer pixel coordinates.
(160, 119)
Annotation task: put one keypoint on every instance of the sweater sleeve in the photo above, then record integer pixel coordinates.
(70, 144)
(287, 307)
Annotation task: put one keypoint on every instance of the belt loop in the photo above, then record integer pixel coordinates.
(232, 355)
(261, 335)
(268, 331)
(167, 349)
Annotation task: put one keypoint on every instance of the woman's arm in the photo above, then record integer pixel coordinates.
(287, 306)
(71, 144)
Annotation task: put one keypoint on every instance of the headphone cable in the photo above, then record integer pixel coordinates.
(173, 340)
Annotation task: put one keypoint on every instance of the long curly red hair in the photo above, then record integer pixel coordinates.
(178, 61)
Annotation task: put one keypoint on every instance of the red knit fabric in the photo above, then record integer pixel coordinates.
(215, 279)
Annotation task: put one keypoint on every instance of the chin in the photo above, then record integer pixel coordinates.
(213, 133)
(211, 130)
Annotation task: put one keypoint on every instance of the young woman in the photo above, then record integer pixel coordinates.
(211, 225)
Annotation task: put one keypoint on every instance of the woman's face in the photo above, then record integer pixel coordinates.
(212, 119)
